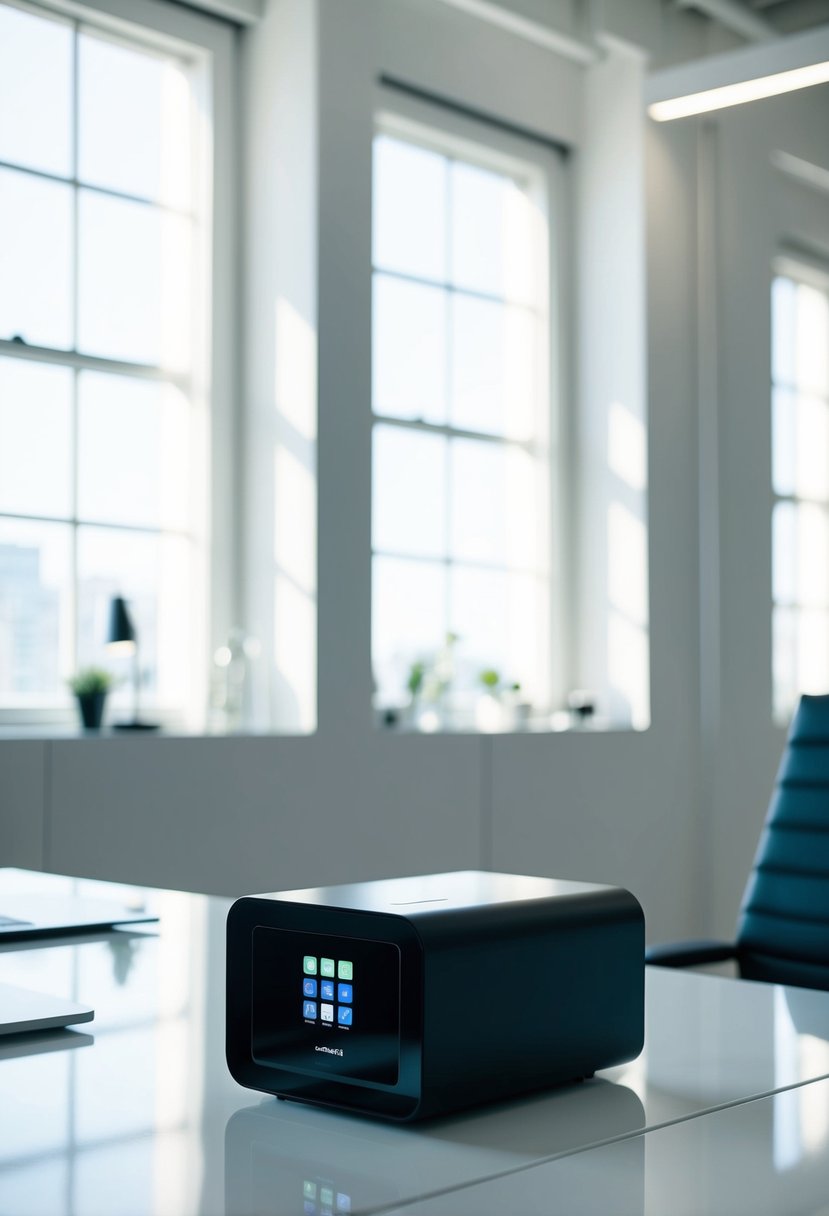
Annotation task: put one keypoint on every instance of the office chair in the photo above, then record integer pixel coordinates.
(783, 928)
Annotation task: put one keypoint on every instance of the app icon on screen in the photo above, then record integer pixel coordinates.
(309, 1207)
(326, 966)
(309, 1009)
(327, 990)
(343, 1202)
(309, 988)
(344, 992)
(326, 1196)
(345, 971)
(309, 965)
(309, 1190)
(345, 1015)
(327, 1013)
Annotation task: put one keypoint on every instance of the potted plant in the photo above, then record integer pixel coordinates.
(499, 707)
(435, 687)
(90, 686)
(489, 712)
(414, 684)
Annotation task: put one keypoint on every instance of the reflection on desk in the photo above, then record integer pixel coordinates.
(272, 1149)
(39, 1042)
(763, 1158)
(147, 1119)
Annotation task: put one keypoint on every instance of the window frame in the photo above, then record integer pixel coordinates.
(209, 44)
(455, 133)
(806, 269)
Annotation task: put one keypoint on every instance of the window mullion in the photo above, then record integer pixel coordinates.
(453, 432)
(75, 427)
(107, 191)
(452, 289)
(471, 563)
(448, 395)
(75, 200)
(73, 524)
(96, 363)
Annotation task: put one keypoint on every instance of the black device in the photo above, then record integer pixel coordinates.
(410, 997)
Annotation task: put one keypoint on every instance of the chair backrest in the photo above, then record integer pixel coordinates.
(783, 930)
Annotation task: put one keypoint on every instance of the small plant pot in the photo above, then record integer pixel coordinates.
(91, 707)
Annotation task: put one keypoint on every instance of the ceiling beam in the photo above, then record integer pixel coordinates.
(806, 50)
(531, 31)
(735, 16)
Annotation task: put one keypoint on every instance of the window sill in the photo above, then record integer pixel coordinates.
(49, 731)
(542, 724)
(55, 732)
(46, 726)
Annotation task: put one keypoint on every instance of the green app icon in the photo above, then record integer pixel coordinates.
(309, 1190)
(326, 1196)
(346, 970)
(309, 965)
(326, 966)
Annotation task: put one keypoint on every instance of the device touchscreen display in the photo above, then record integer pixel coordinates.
(326, 1004)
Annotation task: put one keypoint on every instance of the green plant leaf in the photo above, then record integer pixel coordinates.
(90, 680)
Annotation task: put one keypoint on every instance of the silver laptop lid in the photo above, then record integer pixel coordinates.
(23, 916)
(22, 1011)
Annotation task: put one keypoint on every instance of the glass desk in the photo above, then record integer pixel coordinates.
(769, 1157)
(138, 1113)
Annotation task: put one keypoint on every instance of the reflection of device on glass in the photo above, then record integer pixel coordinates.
(279, 1165)
(272, 1148)
(321, 1196)
(443, 991)
(22, 1011)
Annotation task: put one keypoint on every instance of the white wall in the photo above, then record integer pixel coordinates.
(758, 211)
(610, 563)
(239, 814)
(278, 480)
(719, 213)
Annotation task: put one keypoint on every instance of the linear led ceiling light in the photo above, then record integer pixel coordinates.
(749, 74)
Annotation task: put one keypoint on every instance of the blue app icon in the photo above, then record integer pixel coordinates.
(344, 993)
(309, 1009)
(309, 987)
(327, 990)
(344, 1013)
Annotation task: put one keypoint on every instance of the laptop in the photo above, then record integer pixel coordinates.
(31, 916)
(22, 1011)
(36, 917)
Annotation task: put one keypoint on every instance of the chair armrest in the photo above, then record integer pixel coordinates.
(690, 954)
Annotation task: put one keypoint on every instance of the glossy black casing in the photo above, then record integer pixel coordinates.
(507, 984)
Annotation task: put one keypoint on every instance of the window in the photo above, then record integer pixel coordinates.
(800, 476)
(462, 426)
(103, 216)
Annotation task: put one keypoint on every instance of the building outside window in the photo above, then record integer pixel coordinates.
(103, 390)
(464, 426)
(800, 482)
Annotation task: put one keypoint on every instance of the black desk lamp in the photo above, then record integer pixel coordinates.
(122, 639)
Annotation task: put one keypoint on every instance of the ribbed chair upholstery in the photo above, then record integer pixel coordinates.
(783, 928)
